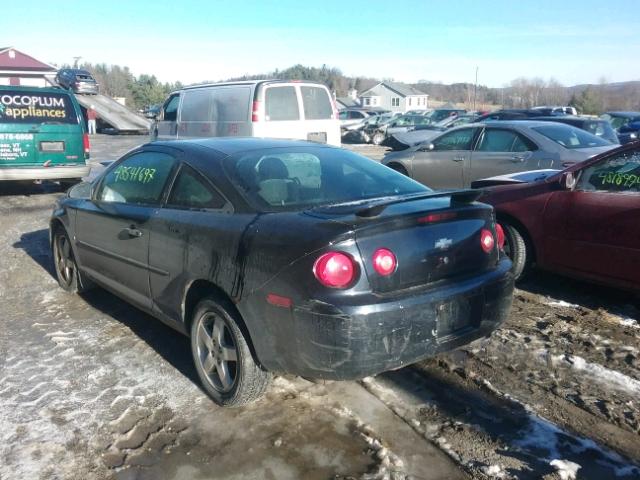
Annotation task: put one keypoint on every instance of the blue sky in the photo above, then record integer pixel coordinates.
(188, 40)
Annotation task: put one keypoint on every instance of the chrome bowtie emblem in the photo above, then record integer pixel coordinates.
(443, 243)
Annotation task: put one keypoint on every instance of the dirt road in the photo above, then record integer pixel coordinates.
(92, 388)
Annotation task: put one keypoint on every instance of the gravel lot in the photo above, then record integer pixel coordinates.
(92, 388)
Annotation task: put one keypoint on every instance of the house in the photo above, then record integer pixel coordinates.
(393, 96)
(17, 68)
(346, 102)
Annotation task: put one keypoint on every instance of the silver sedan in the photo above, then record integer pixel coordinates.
(461, 155)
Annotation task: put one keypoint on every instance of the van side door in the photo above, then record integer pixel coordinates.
(166, 127)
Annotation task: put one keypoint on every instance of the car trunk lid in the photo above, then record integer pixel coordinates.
(433, 238)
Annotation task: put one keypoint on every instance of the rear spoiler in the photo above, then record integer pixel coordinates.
(458, 197)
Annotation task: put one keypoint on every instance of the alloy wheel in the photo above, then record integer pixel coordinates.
(217, 352)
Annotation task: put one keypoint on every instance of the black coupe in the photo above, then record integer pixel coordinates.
(285, 256)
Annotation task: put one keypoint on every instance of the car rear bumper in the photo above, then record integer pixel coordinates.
(44, 173)
(349, 342)
(86, 88)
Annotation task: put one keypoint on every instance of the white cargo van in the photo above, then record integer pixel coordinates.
(262, 108)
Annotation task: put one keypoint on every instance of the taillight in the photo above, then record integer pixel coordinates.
(500, 235)
(334, 270)
(255, 111)
(85, 145)
(384, 262)
(487, 242)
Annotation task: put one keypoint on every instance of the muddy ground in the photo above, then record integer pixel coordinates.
(92, 388)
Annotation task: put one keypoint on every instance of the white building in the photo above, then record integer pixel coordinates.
(396, 97)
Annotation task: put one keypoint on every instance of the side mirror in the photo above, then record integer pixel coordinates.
(427, 148)
(81, 190)
(568, 181)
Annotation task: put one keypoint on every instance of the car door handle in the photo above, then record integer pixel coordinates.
(132, 231)
(458, 159)
(517, 158)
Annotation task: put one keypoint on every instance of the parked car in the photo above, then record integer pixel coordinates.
(80, 81)
(556, 110)
(626, 124)
(423, 133)
(403, 123)
(418, 112)
(509, 114)
(580, 222)
(363, 131)
(271, 255)
(258, 108)
(42, 135)
(353, 116)
(459, 156)
(596, 126)
(441, 113)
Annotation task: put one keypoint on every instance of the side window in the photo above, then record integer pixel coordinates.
(343, 115)
(196, 106)
(523, 144)
(456, 140)
(620, 173)
(281, 104)
(190, 190)
(170, 108)
(496, 140)
(140, 179)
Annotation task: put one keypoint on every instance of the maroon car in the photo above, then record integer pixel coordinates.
(583, 221)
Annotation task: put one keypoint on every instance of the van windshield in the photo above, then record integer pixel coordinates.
(36, 107)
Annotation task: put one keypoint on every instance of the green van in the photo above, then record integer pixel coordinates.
(42, 135)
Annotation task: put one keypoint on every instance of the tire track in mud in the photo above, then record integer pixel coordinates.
(554, 390)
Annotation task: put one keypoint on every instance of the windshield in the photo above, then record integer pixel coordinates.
(601, 129)
(616, 121)
(296, 178)
(570, 137)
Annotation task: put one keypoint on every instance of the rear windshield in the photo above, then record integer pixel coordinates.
(290, 179)
(601, 129)
(281, 104)
(316, 103)
(571, 137)
(35, 107)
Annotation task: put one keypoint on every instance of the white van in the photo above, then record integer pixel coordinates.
(262, 108)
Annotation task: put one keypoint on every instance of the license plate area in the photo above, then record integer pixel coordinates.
(52, 146)
(320, 137)
(457, 317)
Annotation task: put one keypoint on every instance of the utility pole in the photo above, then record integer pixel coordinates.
(75, 61)
(475, 90)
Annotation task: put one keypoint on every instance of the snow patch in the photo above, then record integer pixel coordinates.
(566, 469)
(562, 303)
(494, 471)
(603, 375)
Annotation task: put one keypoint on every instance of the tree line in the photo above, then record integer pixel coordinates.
(145, 90)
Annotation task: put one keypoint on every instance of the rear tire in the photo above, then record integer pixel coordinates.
(377, 138)
(517, 250)
(223, 359)
(67, 183)
(399, 168)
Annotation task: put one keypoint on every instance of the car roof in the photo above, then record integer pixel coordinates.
(231, 145)
(510, 123)
(567, 118)
(624, 114)
(34, 89)
(247, 82)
